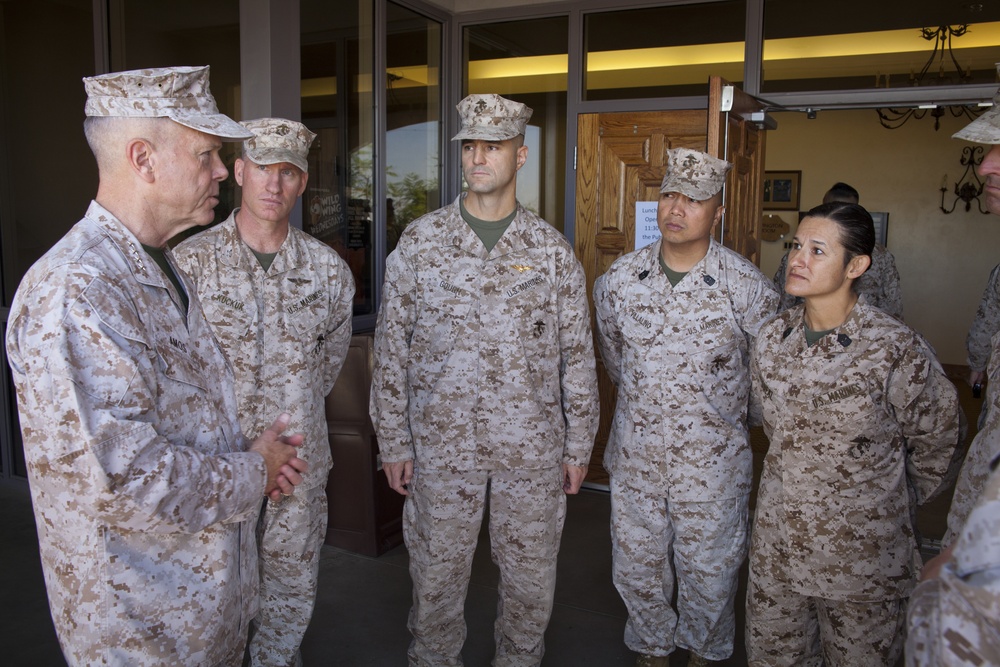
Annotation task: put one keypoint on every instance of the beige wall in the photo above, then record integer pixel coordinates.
(943, 260)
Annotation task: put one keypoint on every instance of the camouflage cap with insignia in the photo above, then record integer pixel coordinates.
(178, 93)
(694, 174)
(491, 118)
(986, 128)
(277, 140)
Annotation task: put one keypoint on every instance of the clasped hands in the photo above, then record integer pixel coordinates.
(284, 467)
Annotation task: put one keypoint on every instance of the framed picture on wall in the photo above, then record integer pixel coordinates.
(781, 190)
(881, 220)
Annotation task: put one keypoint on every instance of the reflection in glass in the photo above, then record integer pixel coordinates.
(663, 51)
(857, 48)
(337, 104)
(413, 119)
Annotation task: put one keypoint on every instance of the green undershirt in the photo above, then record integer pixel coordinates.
(488, 231)
(160, 257)
(813, 336)
(265, 258)
(673, 276)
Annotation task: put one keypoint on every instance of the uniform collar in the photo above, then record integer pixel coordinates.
(236, 253)
(703, 275)
(843, 339)
(142, 266)
(516, 238)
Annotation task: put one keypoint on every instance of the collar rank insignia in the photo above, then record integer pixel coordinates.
(709, 280)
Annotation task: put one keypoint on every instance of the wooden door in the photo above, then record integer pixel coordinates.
(621, 159)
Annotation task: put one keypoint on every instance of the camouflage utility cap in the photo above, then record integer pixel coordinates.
(986, 128)
(277, 140)
(491, 118)
(693, 174)
(178, 93)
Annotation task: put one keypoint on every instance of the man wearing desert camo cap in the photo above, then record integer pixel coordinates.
(484, 393)
(280, 303)
(954, 614)
(675, 320)
(144, 488)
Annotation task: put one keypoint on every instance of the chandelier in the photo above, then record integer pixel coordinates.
(892, 117)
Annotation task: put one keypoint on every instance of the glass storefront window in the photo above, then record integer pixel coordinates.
(855, 47)
(337, 104)
(527, 61)
(413, 118)
(663, 51)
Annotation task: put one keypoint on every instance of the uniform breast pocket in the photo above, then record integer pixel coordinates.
(307, 315)
(533, 315)
(179, 367)
(443, 312)
(719, 366)
(230, 315)
(639, 329)
(844, 433)
(718, 354)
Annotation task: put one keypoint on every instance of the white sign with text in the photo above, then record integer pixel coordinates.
(646, 230)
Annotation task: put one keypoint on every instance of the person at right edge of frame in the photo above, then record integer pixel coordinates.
(863, 426)
(675, 321)
(484, 394)
(954, 616)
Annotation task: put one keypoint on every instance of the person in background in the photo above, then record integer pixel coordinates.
(484, 393)
(954, 616)
(280, 304)
(144, 488)
(675, 321)
(879, 284)
(863, 426)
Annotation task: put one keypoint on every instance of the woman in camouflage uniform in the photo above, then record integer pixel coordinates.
(863, 424)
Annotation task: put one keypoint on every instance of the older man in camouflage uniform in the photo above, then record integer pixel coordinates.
(879, 284)
(144, 494)
(280, 303)
(954, 613)
(484, 390)
(675, 320)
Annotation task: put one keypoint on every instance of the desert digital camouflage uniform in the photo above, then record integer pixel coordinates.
(678, 452)
(985, 325)
(984, 448)
(144, 500)
(880, 284)
(286, 331)
(863, 425)
(954, 620)
(484, 371)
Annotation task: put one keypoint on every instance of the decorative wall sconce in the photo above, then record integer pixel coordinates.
(967, 189)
